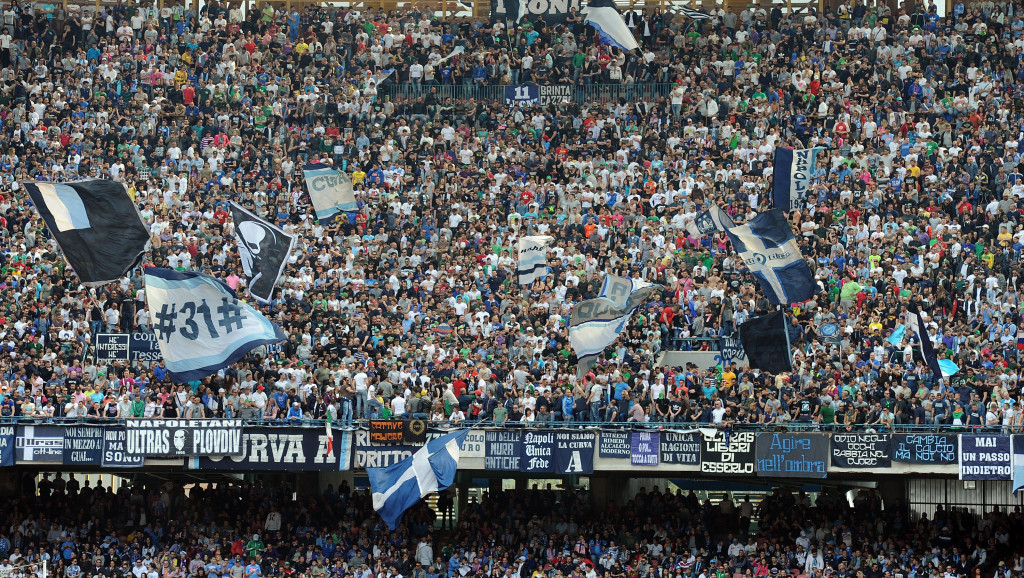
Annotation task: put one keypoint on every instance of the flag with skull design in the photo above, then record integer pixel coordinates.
(263, 249)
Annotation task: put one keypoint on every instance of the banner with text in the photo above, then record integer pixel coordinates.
(83, 446)
(538, 452)
(861, 450)
(115, 450)
(644, 449)
(367, 454)
(40, 443)
(574, 453)
(169, 438)
(985, 457)
(732, 456)
(284, 449)
(924, 449)
(387, 431)
(138, 346)
(785, 455)
(501, 451)
(680, 448)
(6, 445)
(552, 11)
(614, 445)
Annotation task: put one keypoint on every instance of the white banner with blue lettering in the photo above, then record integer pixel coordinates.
(200, 323)
(330, 191)
(793, 173)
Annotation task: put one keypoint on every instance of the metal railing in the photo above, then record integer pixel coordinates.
(496, 93)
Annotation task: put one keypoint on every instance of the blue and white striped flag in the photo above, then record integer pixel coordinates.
(200, 325)
(791, 180)
(767, 247)
(533, 258)
(595, 324)
(709, 221)
(398, 487)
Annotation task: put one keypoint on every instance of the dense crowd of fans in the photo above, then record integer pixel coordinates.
(411, 306)
(255, 530)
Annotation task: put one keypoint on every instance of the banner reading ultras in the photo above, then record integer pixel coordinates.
(171, 438)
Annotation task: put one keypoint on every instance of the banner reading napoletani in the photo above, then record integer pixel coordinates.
(680, 448)
(985, 457)
(614, 445)
(170, 438)
(792, 455)
(728, 455)
(924, 449)
(574, 453)
(115, 450)
(501, 451)
(861, 450)
(201, 325)
(294, 449)
(83, 446)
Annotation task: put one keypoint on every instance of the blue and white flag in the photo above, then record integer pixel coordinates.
(767, 247)
(329, 190)
(595, 324)
(605, 18)
(794, 170)
(200, 324)
(924, 342)
(897, 336)
(533, 258)
(398, 487)
(709, 221)
(948, 367)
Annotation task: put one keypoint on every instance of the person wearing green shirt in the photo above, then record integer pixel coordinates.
(254, 546)
(500, 415)
(827, 413)
(848, 294)
(138, 406)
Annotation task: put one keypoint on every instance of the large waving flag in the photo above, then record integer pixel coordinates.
(95, 223)
(924, 342)
(329, 190)
(694, 13)
(794, 169)
(897, 335)
(432, 468)
(605, 18)
(264, 250)
(767, 247)
(595, 324)
(200, 325)
(709, 221)
(766, 341)
(533, 258)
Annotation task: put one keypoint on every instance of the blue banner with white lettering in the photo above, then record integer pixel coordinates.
(522, 94)
(785, 455)
(793, 173)
(574, 453)
(924, 449)
(502, 451)
(645, 449)
(83, 445)
(6, 445)
(614, 444)
(680, 448)
(985, 457)
(538, 452)
(115, 449)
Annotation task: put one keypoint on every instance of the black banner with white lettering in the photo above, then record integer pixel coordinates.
(184, 437)
(861, 450)
(538, 455)
(680, 448)
(985, 457)
(6, 445)
(40, 443)
(792, 455)
(728, 455)
(552, 11)
(501, 451)
(283, 449)
(614, 445)
(83, 445)
(574, 453)
(924, 449)
(115, 450)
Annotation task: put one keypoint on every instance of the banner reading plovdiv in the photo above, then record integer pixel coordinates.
(169, 438)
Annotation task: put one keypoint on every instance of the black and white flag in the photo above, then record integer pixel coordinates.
(694, 13)
(95, 223)
(264, 250)
(916, 323)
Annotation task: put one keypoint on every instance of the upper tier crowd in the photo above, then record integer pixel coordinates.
(252, 530)
(411, 306)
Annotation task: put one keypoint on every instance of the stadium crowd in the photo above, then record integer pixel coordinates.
(411, 306)
(252, 530)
